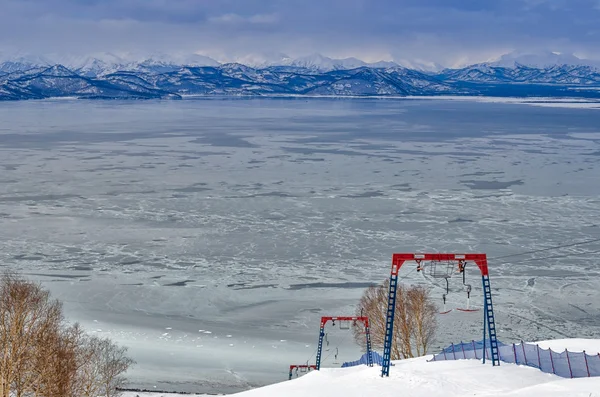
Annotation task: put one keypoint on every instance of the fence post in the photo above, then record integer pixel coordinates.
(474, 349)
(552, 361)
(538, 353)
(463, 349)
(569, 362)
(444, 351)
(515, 352)
(586, 363)
(453, 352)
(524, 355)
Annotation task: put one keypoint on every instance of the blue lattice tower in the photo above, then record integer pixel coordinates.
(489, 319)
(320, 346)
(369, 351)
(389, 323)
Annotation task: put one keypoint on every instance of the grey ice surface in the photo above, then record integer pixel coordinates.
(209, 236)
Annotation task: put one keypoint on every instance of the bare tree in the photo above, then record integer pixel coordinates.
(424, 318)
(109, 362)
(40, 356)
(26, 314)
(414, 320)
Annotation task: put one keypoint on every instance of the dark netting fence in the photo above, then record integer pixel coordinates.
(566, 364)
(377, 360)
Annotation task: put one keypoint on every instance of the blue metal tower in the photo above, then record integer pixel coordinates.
(389, 325)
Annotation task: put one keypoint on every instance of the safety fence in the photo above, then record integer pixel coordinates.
(566, 364)
(377, 359)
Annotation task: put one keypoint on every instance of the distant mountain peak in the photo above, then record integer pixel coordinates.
(59, 71)
(540, 59)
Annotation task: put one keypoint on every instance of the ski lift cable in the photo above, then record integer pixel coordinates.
(438, 285)
(430, 281)
(452, 301)
(556, 257)
(311, 356)
(548, 249)
(338, 345)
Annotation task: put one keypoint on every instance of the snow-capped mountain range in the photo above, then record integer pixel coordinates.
(117, 76)
(105, 63)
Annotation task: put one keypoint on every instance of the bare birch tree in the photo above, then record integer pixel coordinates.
(40, 356)
(26, 314)
(415, 319)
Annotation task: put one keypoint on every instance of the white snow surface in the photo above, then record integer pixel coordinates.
(419, 378)
(577, 103)
(590, 346)
(151, 394)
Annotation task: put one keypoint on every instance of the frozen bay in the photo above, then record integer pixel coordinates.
(210, 235)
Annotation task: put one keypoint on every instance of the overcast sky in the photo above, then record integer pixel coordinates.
(444, 31)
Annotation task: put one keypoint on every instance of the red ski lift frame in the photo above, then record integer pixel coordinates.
(306, 367)
(461, 259)
(363, 319)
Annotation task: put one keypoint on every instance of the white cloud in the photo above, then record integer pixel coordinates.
(448, 32)
(238, 19)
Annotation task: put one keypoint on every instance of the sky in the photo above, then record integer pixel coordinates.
(449, 32)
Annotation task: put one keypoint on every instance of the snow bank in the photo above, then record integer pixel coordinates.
(153, 394)
(420, 378)
(585, 387)
(591, 346)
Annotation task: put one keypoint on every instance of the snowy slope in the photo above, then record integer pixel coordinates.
(151, 394)
(420, 378)
(590, 346)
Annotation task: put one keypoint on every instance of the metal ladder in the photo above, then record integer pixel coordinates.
(491, 323)
(369, 352)
(320, 348)
(389, 325)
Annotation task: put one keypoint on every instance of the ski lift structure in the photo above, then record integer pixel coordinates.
(462, 268)
(442, 266)
(444, 271)
(344, 323)
(300, 368)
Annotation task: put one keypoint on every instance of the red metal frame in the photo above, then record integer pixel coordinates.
(461, 259)
(294, 366)
(300, 366)
(364, 320)
(480, 259)
(326, 319)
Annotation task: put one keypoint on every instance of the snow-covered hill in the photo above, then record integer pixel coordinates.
(556, 74)
(58, 81)
(420, 378)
